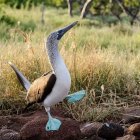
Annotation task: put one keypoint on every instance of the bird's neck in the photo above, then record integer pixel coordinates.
(56, 60)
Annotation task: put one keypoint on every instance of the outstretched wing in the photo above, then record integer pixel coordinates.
(24, 82)
(40, 89)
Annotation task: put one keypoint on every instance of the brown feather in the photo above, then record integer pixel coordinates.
(41, 88)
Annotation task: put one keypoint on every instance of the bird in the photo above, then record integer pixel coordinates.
(52, 87)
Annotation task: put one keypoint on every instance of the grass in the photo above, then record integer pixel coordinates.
(105, 61)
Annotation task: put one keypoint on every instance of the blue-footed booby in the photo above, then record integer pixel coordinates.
(52, 87)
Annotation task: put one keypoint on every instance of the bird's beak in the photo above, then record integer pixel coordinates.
(61, 32)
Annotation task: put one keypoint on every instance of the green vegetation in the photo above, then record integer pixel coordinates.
(115, 8)
(103, 60)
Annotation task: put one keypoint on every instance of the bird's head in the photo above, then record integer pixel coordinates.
(57, 35)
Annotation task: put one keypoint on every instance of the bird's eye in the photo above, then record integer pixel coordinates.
(59, 34)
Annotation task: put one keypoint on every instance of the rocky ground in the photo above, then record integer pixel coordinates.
(31, 126)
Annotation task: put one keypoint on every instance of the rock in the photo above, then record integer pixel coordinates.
(127, 137)
(35, 130)
(110, 131)
(8, 134)
(94, 138)
(17, 121)
(14, 122)
(70, 129)
(134, 129)
(90, 129)
(131, 115)
(3, 121)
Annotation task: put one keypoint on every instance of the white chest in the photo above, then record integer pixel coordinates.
(60, 89)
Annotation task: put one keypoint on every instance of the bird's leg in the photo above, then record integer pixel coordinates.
(53, 124)
(77, 96)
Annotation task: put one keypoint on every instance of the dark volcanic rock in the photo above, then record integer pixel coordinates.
(32, 126)
(134, 129)
(14, 122)
(94, 138)
(17, 121)
(131, 115)
(8, 134)
(3, 121)
(90, 129)
(110, 131)
(35, 130)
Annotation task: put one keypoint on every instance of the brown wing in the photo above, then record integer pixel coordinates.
(41, 88)
(48, 87)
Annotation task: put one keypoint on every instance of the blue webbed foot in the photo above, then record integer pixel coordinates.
(77, 96)
(53, 124)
